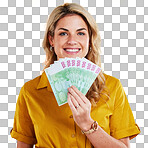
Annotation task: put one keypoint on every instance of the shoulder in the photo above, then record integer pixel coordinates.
(32, 84)
(27, 89)
(111, 81)
(113, 85)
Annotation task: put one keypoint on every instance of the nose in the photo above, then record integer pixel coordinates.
(72, 40)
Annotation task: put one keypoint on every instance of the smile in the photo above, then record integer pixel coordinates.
(72, 50)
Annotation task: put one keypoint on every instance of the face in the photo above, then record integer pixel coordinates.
(71, 37)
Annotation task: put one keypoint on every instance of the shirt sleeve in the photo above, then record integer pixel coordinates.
(23, 129)
(122, 123)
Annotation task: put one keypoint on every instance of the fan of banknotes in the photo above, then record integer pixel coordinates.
(66, 72)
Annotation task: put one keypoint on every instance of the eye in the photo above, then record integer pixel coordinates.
(81, 33)
(63, 34)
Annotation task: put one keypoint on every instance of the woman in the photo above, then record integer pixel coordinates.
(102, 118)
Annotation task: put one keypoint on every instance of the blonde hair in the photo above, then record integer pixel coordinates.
(98, 87)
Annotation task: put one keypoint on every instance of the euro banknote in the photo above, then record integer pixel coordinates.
(66, 72)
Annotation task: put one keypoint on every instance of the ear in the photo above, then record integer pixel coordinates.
(50, 38)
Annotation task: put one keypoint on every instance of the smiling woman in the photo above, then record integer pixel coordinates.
(102, 118)
(71, 37)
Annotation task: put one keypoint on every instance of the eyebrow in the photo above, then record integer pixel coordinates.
(68, 30)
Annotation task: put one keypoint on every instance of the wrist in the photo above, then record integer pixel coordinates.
(87, 125)
(94, 127)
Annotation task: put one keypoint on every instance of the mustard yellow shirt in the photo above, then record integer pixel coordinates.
(39, 120)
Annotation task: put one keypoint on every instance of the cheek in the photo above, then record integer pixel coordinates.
(59, 41)
(85, 42)
(86, 39)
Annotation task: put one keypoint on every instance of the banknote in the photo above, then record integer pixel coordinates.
(66, 72)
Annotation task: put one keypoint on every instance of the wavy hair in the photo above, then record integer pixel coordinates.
(98, 89)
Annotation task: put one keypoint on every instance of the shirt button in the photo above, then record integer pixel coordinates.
(73, 135)
(71, 116)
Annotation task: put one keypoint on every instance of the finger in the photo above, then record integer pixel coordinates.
(76, 96)
(71, 105)
(74, 101)
(78, 106)
(81, 95)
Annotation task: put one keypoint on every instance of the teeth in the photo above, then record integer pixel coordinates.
(72, 50)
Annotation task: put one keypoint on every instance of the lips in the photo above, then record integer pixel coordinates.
(72, 50)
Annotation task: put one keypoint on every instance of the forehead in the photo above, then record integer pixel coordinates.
(71, 20)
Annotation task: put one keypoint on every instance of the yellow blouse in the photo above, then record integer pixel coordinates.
(39, 120)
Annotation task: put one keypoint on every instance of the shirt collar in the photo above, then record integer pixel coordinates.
(43, 82)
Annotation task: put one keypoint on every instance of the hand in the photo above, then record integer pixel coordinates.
(80, 107)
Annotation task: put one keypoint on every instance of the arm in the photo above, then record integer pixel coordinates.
(23, 145)
(81, 108)
(23, 128)
(102, 139)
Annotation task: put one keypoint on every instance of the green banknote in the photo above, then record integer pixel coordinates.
(61, 79)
